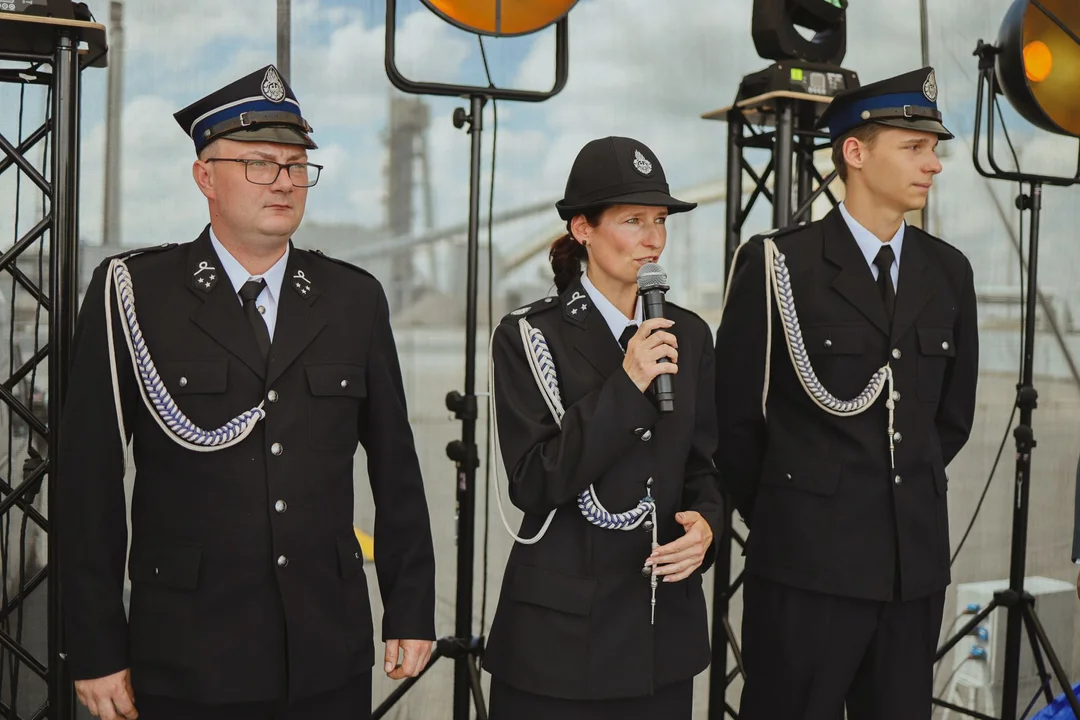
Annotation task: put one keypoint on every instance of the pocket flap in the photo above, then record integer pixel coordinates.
(174, 567)
(195, 377)
(937, 341)
(554, 590)
(336, 379)
(350, 557)
(834, 340)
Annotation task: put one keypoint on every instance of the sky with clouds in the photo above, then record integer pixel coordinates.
(640, 68)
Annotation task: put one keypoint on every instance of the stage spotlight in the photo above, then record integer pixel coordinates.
(1038, 63)
(502, 18)
(776, 36)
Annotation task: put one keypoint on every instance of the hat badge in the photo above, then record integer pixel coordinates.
(273, 89)
(641, 164)
(929, 87)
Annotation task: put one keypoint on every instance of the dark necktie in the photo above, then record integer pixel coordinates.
(248, 293)
(628, 332)
(884, 261)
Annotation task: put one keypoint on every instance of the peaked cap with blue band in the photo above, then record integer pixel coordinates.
(906, 101)
(258, 108)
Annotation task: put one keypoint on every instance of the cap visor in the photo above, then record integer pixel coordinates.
(283, 134)
(921, 124)
(653, 198)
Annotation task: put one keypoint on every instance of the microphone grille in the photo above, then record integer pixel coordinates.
(651, 276)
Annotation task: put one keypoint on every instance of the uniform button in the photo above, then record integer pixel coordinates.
(262, 310)
(944, 346)
(276, 448)
(897, 437)
(183, 382)
(787, 476)
(828, 343)
(272, 396)
(896, 354)
(896, 396)
(280, 506)
(647, 435)
(898, 480)
(157, 571)
(344, 383)
(282, 561)
(356, 555)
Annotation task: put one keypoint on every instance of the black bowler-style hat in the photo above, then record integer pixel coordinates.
(907, 101)
(617, 171)
(260, 107)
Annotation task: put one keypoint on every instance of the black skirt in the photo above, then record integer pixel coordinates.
(671, 702)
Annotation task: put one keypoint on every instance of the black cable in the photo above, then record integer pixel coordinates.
(1023, 315)
(491, 324)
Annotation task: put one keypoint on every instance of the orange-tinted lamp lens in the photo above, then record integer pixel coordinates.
(1038, 66)
(501, 17)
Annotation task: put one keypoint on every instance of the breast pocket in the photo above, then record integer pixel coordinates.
(936, 347)
(199, 389)
(337, 390)
(835, 353)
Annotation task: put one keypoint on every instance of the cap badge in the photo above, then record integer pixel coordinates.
(929, 87)
(642, 165)
(273, 89)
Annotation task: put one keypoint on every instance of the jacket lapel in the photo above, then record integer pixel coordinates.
(220, 316)
(298, 322)
(914, 287)
(855, 281)
(594, 341)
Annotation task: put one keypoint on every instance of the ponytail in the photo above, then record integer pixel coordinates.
(567, 254)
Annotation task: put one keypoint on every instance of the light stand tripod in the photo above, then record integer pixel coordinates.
(463, 647)
(1019, 603)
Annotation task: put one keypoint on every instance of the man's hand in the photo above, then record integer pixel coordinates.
(416, 652)
(677, 560)
(110, 697)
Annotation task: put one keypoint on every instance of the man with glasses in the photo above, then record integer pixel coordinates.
(244, 372)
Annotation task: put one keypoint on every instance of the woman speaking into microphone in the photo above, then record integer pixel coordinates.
(601, 612)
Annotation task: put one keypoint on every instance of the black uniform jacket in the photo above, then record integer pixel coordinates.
(826, 513)
(573, 614)
(247, 581)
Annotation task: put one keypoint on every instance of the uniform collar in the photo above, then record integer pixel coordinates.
(869, 243)
(614, 317)
(274, 277)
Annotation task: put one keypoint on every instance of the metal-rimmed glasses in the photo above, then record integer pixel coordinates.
(266, 172)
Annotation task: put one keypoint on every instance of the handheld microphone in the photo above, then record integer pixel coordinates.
(652, 284)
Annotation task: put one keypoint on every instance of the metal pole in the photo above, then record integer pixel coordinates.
(110, 231)
(466, 490)
(1025, 443)
(63, 275)
(783, 150)
(284, 37)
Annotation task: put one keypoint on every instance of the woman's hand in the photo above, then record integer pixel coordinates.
(677, 560)
(645, 349)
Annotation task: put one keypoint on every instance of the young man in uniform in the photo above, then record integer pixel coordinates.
(836, 429)
(254, 370)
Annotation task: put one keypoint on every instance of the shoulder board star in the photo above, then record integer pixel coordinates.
(778, 232)
(343, 263)
(140, 251)
(530, 309)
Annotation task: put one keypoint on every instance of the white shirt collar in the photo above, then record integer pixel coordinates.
(869, 243)
(274, 277)
(612, 315)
